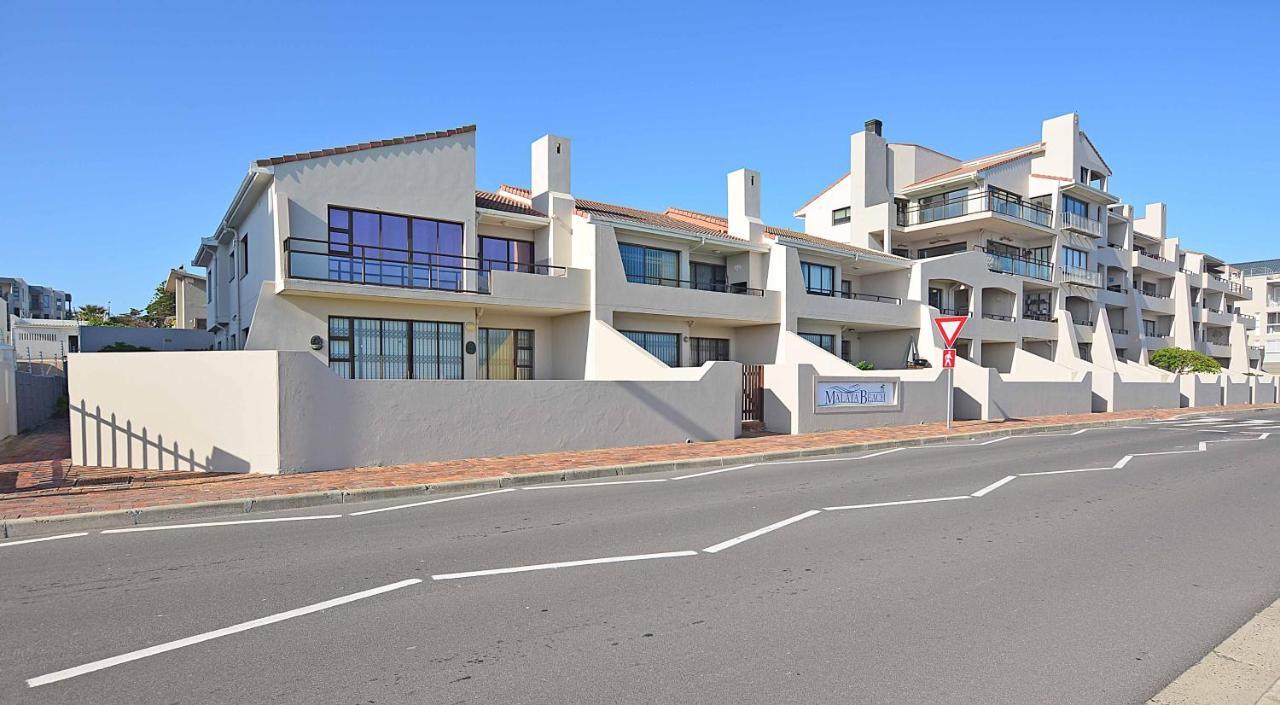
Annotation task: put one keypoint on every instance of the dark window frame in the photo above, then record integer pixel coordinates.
(484, 363)
(646, 334)
(826, 341)
(840, 216)
(829, 273)
(351, 357)
(702, 349)
(645, 277)
(451, 265)
(719, 276)
(244, 255)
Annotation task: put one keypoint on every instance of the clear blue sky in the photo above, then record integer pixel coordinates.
(127, 130)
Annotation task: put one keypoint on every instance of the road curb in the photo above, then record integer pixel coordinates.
(1243, 670)
(27, 527)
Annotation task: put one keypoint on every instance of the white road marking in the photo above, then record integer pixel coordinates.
(1061, 472)
(717, 471)
(217, 633)
(44, 538)
(593, 484)
(994, 486)
(429, 501)
(759, 532)
(1192, 430)
(205, 524)
(565, 564)
(789, 462)
(894, 504)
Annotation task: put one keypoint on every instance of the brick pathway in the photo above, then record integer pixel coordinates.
(49, 486)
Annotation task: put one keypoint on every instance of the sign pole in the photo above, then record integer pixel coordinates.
(951, 374)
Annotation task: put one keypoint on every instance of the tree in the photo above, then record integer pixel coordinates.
(1181, 361)
(92, 315)
(161, 310)
(124, 347)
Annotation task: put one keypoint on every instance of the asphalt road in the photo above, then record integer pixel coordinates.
(1098, 586)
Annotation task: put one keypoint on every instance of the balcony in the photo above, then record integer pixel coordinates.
(987, 202)
(1018, 265)
(1080, 223)
(311, 268)
(720, 287)
(855, 296)
(318, 260)
(1084, 277)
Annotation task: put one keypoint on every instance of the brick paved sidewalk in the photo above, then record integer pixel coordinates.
(50, 487)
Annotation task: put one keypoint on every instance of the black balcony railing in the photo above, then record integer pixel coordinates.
(985, 202)
(1120, 331)
(1031, 315)
(696, 285)
(321, 260)
(1148, 255)
(1085, 322)
(855, 296)
(954, 311)
(1018, 265)
(997, 316)
(1118, 288)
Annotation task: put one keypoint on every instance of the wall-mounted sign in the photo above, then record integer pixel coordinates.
(845, 394)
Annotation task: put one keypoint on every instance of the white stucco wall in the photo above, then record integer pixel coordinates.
(401, 421)
(8, 393)
(137, 410)
(1200, 390)
(789, 400)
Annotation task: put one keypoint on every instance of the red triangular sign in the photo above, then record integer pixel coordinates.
(949, 327)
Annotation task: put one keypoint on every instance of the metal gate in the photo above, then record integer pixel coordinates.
(753, 393)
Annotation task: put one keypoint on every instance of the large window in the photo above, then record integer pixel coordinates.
(664, 346)
(395, 250)
(1149, 328)
(943, 205)
(709, 277)
(1075, 206)
(502, 254)
(1273, 322)
(650, 265)
(1076, 259)
(375, 348)
(840, 216)
(826, 341)
(707, 349)
(940, 250)
(818, 278)
(505, 353)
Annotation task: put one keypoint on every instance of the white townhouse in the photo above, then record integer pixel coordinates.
(385, 310)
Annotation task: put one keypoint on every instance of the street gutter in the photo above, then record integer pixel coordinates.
(27, 527)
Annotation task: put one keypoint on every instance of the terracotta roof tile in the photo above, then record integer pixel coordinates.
(331, 151)
(653, 219)
(973, 166)
(776, 233)
(506, 203)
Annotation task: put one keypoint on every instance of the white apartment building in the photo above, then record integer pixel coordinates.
(1263, 278)
(30, 301)
(1025, 237)
(389, 311)
(1016, 240)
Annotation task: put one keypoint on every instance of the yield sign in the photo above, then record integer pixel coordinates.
(950, 327)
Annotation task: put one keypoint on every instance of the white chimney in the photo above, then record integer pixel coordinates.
(744, 205)
(550, 163)
(868, 167)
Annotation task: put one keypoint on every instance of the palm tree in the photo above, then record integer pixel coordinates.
(92, 314)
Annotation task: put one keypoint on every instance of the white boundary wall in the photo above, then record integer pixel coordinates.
(1198, 389)
(8, 391)
(1265, 389)
(1236, 389)
(270, 411)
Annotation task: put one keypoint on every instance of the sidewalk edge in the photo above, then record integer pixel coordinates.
(26, 527)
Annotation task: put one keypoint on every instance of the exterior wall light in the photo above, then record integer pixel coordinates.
(317, 342)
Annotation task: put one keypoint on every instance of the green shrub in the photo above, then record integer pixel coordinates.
(1181, 360)
(865, 366)
(124, 347)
